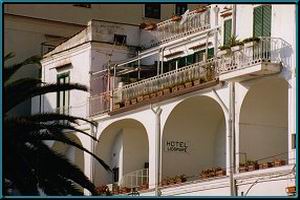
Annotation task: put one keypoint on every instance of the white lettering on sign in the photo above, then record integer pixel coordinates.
(177, 146)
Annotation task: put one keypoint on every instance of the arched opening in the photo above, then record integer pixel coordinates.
(124, 146)
(194, 138)
(263, 122)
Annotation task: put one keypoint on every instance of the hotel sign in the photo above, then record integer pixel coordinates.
(177, 146)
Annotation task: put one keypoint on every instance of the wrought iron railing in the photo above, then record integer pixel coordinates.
(169, 29)
(265, 50)
(167, 80)
(273, 50)
(99, 103)
(135, 179)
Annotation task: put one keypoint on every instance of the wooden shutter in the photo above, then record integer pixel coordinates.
(227, 31)
(267, 15)
(210, 53)
(262, 21)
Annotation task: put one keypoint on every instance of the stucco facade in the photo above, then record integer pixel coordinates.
(245, 112)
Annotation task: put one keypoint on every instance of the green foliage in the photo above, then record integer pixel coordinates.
(29, 164)
(251, 39)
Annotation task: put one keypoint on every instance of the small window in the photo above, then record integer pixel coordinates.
(83, 5)
(293, 141)
(180, 8)
(115, 174)
(120, 39)
(152, 11)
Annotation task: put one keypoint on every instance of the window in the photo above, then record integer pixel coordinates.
(63, 97)
(262, 21)
(120, 39)
(83, 5)
(152, 11)
(293, 141)
(180, 9)
(115, 174)
(227, 31)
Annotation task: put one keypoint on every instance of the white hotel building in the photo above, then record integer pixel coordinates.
(169, 102)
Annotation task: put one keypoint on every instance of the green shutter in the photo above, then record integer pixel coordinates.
(262, 21)
(258, 21)
(227, 31)
(267, 14)
(210, 53)
(190, 59)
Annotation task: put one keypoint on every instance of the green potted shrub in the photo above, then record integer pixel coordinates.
(252, 165)
(251, 41)
(235, 44)
(224, 50)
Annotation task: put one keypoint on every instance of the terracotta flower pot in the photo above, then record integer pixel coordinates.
(278, 163)
(180, 87)
(188, 84)
(127, 103)
(153, 95)
(166, 91)
(146, 97)
(133, 101)
(140, 98)
(159, 93)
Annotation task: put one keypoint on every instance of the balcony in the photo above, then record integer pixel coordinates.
(179, 26)
(173, 83)
(265, 57)
(250, 61)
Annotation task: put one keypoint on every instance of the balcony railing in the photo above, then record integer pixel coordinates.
(99, 104)
(170, 30)
(201, 70)
(265, 50)
(135, 179)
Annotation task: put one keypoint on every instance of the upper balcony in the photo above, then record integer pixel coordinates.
(177, 27)
(265, 57)
(253, 59)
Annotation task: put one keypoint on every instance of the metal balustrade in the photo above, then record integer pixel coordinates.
(166, 80)
(265, 50)
(272, 50)
(99, 103)
(170, 30)
(135, 179)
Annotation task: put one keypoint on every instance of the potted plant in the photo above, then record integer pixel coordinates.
(291, 189)
(140, 98)
(166, 91)
(210, 71)
(183, 178)
(165, 181)
(243, 167)
(251, 41)
(252, 165)
(127, 103)
(146, 97)
(133, 101)
(152, 95)
(279, 162)
(265, 165)
(235, 44)
(224, 50)
(220, 171)
(201, 9)
(176, 17)
(103, 190)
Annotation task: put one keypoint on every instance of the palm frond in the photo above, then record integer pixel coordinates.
(11, 70)
(13, 98)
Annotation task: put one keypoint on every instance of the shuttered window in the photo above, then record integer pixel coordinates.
(227, 31)
(63, 96)
(262, 21)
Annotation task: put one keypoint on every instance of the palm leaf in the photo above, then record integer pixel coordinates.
(13, 99)
(11, 70)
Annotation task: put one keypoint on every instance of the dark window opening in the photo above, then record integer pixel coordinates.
(293, 141)
(152, 11)
(115, 174)
(83, 5)
(120, 39)
(180, 9)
